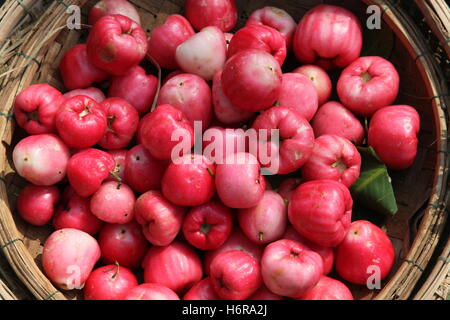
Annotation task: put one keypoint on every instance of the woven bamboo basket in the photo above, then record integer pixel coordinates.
(32, 54)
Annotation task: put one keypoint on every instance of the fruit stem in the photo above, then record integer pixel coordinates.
(260, 236)
(115, 176)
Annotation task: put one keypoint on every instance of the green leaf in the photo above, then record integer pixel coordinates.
(373, 189)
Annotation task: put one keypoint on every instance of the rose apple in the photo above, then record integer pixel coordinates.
(334, 119)
(108, 7)
(74, 212)
(176, 266)
(189, 181)
(123, 243)
(236, 241)
(161, 131)
(160, 219)
(91, 92)
(368, 84)
(287, 187)
(224, 110)
(81, 122)
(297, 139)
(202, 290)
(87, 169)
(203, 54)
(122, 119)
(36, 204)
(190, 94)
(259, 37)
(251, 79)
(137, 87)
(265, 294)
(165, 39)
(298, 92)
(328, 289)
(289, 269)
(219, 142)
(219, 13)
(111, 282)
(239, 182)
(366, 249)
(334, 158)
(35, 108)
(41, 159)
(340, 39)
(228, 37)
(276, 18)
(265, 222)
(116, 44)
(68, 257)
(151, 291)
(320, 79)
(320, 211)
(77, 71)
(235, 275)
(208, 226)
(119, 157)
(113, 202)
(393, 135)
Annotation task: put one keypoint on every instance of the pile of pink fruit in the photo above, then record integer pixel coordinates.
(138, 215)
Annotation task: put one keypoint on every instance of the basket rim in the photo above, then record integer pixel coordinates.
(410, 269)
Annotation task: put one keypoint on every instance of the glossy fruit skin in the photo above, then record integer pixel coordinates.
(224, 110)
(190, 94)
(87, 169)
(265, 294)
(220, 142)
(189, 181)
(208, 226)
(142, 171)
(160, 219)
(236, 241)
(110, 282)
(265, 222)
(91, 92)
(116, 44)
(365, 246)
(202, 290)
(203, 54)
(156, 130)
(297, 139)
(119, 156)
(287, 187)
(340, 40)
(137, 87)
(327, 253)
(122, 119)
(393, 134)
(276, 18)
(68, 257)
(320, 79)
(124, 243)
(259, 37)
(251, 79)
(334, 119)
(176, 266)
(334, 158)
(81, 122)
(289, 269)
(32, 152)
(165, 39)
(35, 108)
(113, 202)
(219, 13)
(328, 289)
(108, 7)
(151, 291)
(320, 211)
(243, 167)
(368, 84)
(77, 71)
(298, 92)
(35, 204)
(235, 275)
(74, 212)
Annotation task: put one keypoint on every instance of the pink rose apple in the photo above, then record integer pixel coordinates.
(320, 79)
(328, 289)
(203, 13)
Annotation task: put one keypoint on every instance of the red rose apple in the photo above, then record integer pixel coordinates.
(202, 290)
(35, 204)
(219, 13)
(151, 291)
(328, 289)
(91, 92)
